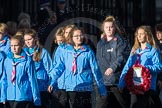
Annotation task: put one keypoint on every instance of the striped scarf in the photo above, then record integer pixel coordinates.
(74, 63)
(2, 42)
(13, 74)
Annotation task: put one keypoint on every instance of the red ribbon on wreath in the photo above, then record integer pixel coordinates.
(145, 75)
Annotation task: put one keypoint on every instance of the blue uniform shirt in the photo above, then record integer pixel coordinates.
(87, 68)
(26, 86)
(150, 58)
(43, 67)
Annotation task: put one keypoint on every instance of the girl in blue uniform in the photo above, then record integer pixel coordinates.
(62, 97)
(2, 57)
(145, 51)
(79, 65)
(19, 79)
(58, 39)
(4, 39)
(42, 61)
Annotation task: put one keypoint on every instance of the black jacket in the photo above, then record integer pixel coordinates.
(110, 54)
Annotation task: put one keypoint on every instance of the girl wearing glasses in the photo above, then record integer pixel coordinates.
(78, 63)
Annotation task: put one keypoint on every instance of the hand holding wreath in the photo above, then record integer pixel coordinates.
(138, 79)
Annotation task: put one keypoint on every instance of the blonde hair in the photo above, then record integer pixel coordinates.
(149, 38)
(118, 28)
(20, 32)
(3, 28)
(108, 19)
(19, 38)
(59, 32)
(68, 26)
(38, 47)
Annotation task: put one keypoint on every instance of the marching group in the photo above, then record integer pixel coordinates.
(31, 77)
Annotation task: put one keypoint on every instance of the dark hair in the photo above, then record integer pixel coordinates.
(12, 27)
(158, 27)
(24, 24)
(42, 16)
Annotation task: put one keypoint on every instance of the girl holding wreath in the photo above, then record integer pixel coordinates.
(140, 72)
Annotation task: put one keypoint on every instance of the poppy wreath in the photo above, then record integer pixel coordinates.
(146, 77)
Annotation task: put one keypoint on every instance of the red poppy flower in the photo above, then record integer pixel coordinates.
(22, 57)
(3, 41)
(82, 48)
(115, 38)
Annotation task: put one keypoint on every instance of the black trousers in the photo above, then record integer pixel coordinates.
(45, 100)
(150, 99)
(19, 104)
(60, 99)
(114, 99)
(80, 99)
(2, 105)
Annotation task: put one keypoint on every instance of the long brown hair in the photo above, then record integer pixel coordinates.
(38, 46)
(69, 39)
(149, 38)
(68, 26)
